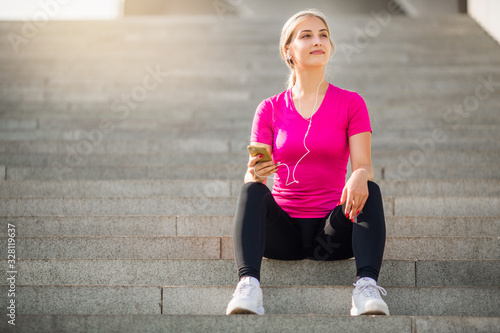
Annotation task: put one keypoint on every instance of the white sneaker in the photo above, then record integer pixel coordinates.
(247, 298)
(366, 298)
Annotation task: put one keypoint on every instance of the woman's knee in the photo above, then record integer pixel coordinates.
(372, 186)
(374, 190)
(374, 199)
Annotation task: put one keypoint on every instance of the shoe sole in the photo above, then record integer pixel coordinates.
(377, 313)
(355, 312)
(241, 311)
(369, 313)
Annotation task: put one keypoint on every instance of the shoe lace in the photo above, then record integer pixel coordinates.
(244, 290)
(370, 290)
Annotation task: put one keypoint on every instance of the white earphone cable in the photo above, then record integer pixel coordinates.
(305, 136)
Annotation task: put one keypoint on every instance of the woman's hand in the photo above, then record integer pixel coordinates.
(355, 193)
(262, 169)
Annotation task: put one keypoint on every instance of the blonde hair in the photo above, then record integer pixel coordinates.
(286, 38)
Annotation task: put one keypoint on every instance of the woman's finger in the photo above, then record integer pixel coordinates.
(254, 160)
(355, 209)
(343, 196)
(265, 169)
(348, 204)
(358, 207)
(268, 166)
(361, 206)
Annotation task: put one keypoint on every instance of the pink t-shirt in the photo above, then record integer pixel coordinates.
(321, 173)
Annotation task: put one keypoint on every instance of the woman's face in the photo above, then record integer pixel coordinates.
(310, 45)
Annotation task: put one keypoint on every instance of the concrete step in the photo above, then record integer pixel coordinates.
(214, 188)
(407, 170)
(185, 272)
(146, 37)
(440, 78)
(400, 41)
(240, 131)
(119, 188)
(245, 64)
(268, 323)
(270, 53)
(404, 43)
(211, 247)
(161, 205)
(326, 300)
(405, 59)
(185, 76)
(167, 100)
(19, 128)
(100, 145)
(252, 54)
(80, 158)
(213, 172)
(449, 22)
(441, 301)
(136, 122)
(140, 128)
(437, 87)
(349, 71)
(433, 122)
(157, 110)
(234, 172)
(206, 205)
(222, 225)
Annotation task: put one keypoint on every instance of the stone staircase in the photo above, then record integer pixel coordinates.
(123, 149)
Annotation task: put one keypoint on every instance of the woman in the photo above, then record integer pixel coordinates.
(312, 213)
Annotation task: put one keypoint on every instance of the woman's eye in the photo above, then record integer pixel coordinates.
(324, 35)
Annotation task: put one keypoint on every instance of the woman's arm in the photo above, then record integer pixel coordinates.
(263, 169)
(355, 191)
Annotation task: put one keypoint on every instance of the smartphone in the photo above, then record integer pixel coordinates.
(256, 150)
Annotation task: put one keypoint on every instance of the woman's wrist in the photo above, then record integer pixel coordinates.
(364, 173)
(258, 179)
(250, 177)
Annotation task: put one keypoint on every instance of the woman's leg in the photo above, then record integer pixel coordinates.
(338, 238)
(262, 228)
(368, 238)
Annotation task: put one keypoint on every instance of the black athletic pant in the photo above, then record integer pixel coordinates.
(263, 229)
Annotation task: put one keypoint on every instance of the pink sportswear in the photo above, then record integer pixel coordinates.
(321, 173)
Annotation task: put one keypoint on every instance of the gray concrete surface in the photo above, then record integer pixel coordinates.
(275, 323)
(222, 225)
(336, 300)
(207, 272)
(163, 181)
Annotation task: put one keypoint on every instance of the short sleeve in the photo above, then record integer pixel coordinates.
(262, 130)
(359, 119)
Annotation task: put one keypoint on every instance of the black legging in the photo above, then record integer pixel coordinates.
(263, 229)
